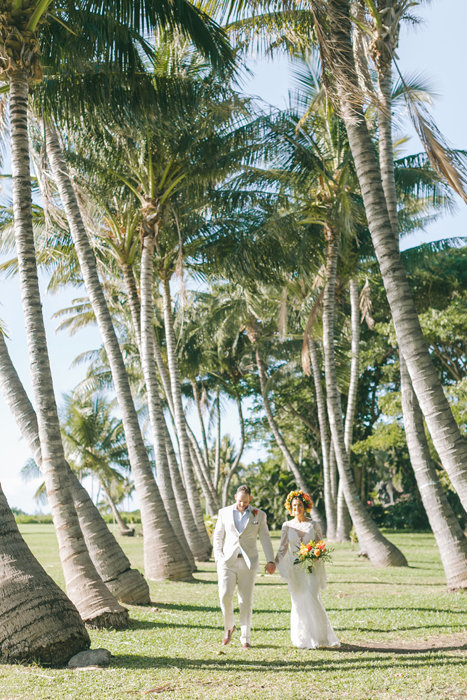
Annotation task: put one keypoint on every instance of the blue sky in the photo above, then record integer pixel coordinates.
(435, 49)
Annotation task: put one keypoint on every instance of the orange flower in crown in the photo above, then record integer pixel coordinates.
(304, 497)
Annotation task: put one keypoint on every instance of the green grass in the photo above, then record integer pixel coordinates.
(403, 636)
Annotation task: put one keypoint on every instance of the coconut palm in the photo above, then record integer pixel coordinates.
(112, 565)
(334, 34)
(28, 23)
(451, 540)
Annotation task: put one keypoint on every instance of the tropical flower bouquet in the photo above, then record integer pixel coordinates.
(308, 554)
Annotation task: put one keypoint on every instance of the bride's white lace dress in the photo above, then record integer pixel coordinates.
(310, 627)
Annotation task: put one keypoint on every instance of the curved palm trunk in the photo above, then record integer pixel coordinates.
(179, 416)
(94, 601)
(210, 496)
(447, 439)
(289, 460)
(217, 461)
(155, 409)
(199, 409)
(292, 465)
(451, 541)
(112, 564)
(38, 623)
(344, 524)
(234, 467)
(380, 551)
(171, 484)
(164, 557)
(329, 500)
(122, 526)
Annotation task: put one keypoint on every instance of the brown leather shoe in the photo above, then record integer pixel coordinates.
(246, 645)
(228, 635)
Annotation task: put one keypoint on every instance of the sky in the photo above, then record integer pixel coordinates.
(435, 49)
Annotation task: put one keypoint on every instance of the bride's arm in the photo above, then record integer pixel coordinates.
(284, 543)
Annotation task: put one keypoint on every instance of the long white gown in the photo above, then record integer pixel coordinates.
(310, 627)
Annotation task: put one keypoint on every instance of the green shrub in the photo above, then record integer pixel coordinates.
(403, 515)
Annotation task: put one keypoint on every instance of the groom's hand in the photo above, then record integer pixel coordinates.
(270, 567)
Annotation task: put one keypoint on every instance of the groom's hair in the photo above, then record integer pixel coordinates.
(245, 488)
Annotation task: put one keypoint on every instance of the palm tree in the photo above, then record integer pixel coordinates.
(39, 623)
(164, 555)
(112, 565)
(451, 541)
(334, 33)
(25, 20)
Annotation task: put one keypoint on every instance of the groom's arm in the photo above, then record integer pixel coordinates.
(218, 538)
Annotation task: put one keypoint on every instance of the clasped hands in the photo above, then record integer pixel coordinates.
(270, 567)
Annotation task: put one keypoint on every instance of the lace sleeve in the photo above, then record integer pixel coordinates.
(317, 529)
(284, 543)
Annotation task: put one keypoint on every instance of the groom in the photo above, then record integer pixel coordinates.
(236, 554)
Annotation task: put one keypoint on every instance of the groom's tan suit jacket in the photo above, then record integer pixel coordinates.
(228, 543)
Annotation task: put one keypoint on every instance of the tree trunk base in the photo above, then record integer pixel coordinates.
(109, 620)
(55, 654)
(130, 587)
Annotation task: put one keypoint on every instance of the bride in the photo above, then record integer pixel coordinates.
(309, 624)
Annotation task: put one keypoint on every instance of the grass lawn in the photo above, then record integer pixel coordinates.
(403, 636)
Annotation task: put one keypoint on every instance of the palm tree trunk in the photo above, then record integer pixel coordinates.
(210, 496)
(94, 601)
(217, 460)
(179, 416)
(451, 541)
(289, 460)
(122, 526)
(447, 439)
(199, 409)
(172, 482)
(329, 501)
(164, 557)
(344, 522)
(380, 551)
(39, 624)
(235, 465)
(155, 409)
(112, 564)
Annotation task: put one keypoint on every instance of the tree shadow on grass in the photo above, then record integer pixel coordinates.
(338, 581)
(359, 658)
(186, 607)
(397, 607)
(360, 628)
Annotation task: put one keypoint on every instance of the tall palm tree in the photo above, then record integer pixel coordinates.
(112, 564)
(333, 26)
(163, 554)
(451, 541)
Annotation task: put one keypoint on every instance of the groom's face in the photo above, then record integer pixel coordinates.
(242, 499)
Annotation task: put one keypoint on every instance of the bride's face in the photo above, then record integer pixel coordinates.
(298, 509)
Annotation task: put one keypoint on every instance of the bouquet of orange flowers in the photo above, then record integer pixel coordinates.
(308, 554)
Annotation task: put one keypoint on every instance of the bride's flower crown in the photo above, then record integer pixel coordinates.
(304, 497)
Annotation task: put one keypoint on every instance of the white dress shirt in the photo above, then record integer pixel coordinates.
(241, 519)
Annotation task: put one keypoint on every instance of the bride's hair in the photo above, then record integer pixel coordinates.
(302, 496)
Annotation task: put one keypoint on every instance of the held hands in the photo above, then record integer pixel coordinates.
(270, 567)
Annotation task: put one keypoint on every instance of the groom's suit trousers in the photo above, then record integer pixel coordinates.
(236, 573)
